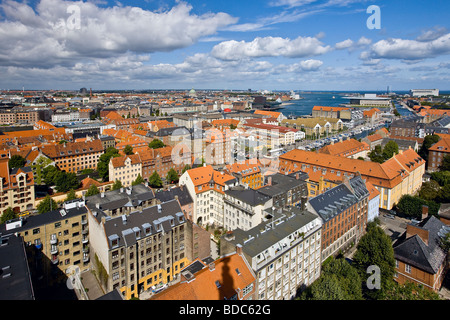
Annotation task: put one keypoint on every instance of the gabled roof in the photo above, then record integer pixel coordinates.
(120, 161)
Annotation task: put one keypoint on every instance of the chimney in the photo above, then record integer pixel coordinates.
(239, 249)
(269, 181)
(412, 230)
(212, 266)
(102, 194)
(303, 202)
(424, 212)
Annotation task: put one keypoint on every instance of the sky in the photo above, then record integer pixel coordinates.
(348, 45)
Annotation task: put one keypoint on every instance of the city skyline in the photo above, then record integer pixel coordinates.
(271, 44)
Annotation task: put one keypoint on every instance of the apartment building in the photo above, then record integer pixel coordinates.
(206, 280)
(343, 211)
(206, 187)
(162, 160)
(284, 251)
(349, 148)
(437, 152)
(56, 242)
(18, 116)
(286, 190)
(74, 156)
(16, 186)
(244, 208)
(139, 250)
(276, 135)
(418, 255)
(315, 126)
(402, 174)
(247, 172)
(331, 112)
(125, 168)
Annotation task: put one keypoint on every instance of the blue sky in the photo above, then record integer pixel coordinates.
(264, 44)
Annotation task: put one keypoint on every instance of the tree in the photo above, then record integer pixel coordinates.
(17, 161)
(155, 180)
(117, 185)
(376, 155)
(66, 181)
(128, 150)
(156, 144)
(93, 190)
(441, 177)
(49, 175)
(375, 249)
(428, 141)
(103, 162)
(409, 291)
(186, 168)
(138, 180)
(430, 190)
(46, 205)
(71, 195)
(8, 214)
(390, 149)
(445, 165)
(172, 176)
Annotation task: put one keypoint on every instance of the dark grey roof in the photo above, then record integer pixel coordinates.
(249, 196)
(24, 169)
(415, 252)
(15, 280)
(113, 295)
(333, 201)
(402, 144)
(124, 227)
(130, 196)
(280, 184)
(266, 234)
(35, 221)
(169, 132)
(181, 192)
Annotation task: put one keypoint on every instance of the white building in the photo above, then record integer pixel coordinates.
(283, 251)
(206, 187)
(244, 208)
(424, 92)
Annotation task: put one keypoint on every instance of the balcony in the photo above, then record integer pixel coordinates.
(85, 240)
(85, 257)
(84, 222)
(55, 260)
(54, 250)
(53, 239)
(85, 231)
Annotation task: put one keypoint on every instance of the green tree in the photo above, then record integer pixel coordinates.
(46, 205)
(441, 177)
(156, 144)
(376, 155)
(138, 180)
(66, 181)
(103, 162)
(93, 190)
(444, 197)
(430, 190)
(428, 141)
(325, 288)
(8, 214)
(375, 249)
(186, 168)
(17, 161)
(445, 165)
(128, 150)
(49, 175)
(390, 149)
(172, 176)
(409, 291)
(117, 185)
(71, 195)
(155, 180)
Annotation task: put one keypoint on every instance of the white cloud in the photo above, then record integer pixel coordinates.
(44, 38)
(411, 49)
(344, 44)
(269, 47)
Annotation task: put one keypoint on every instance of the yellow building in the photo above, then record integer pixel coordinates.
(247, 172)
(141, 250)
(56, 242)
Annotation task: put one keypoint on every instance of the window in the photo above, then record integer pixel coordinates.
(407, 268)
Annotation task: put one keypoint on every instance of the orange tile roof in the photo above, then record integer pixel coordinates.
(374, 137)
(345, 148)
(72, 148)
(272, 114)
(245, 168)
(443, 145)
(373, 192)
(204, 287)
(120, 161)
(203, 175)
